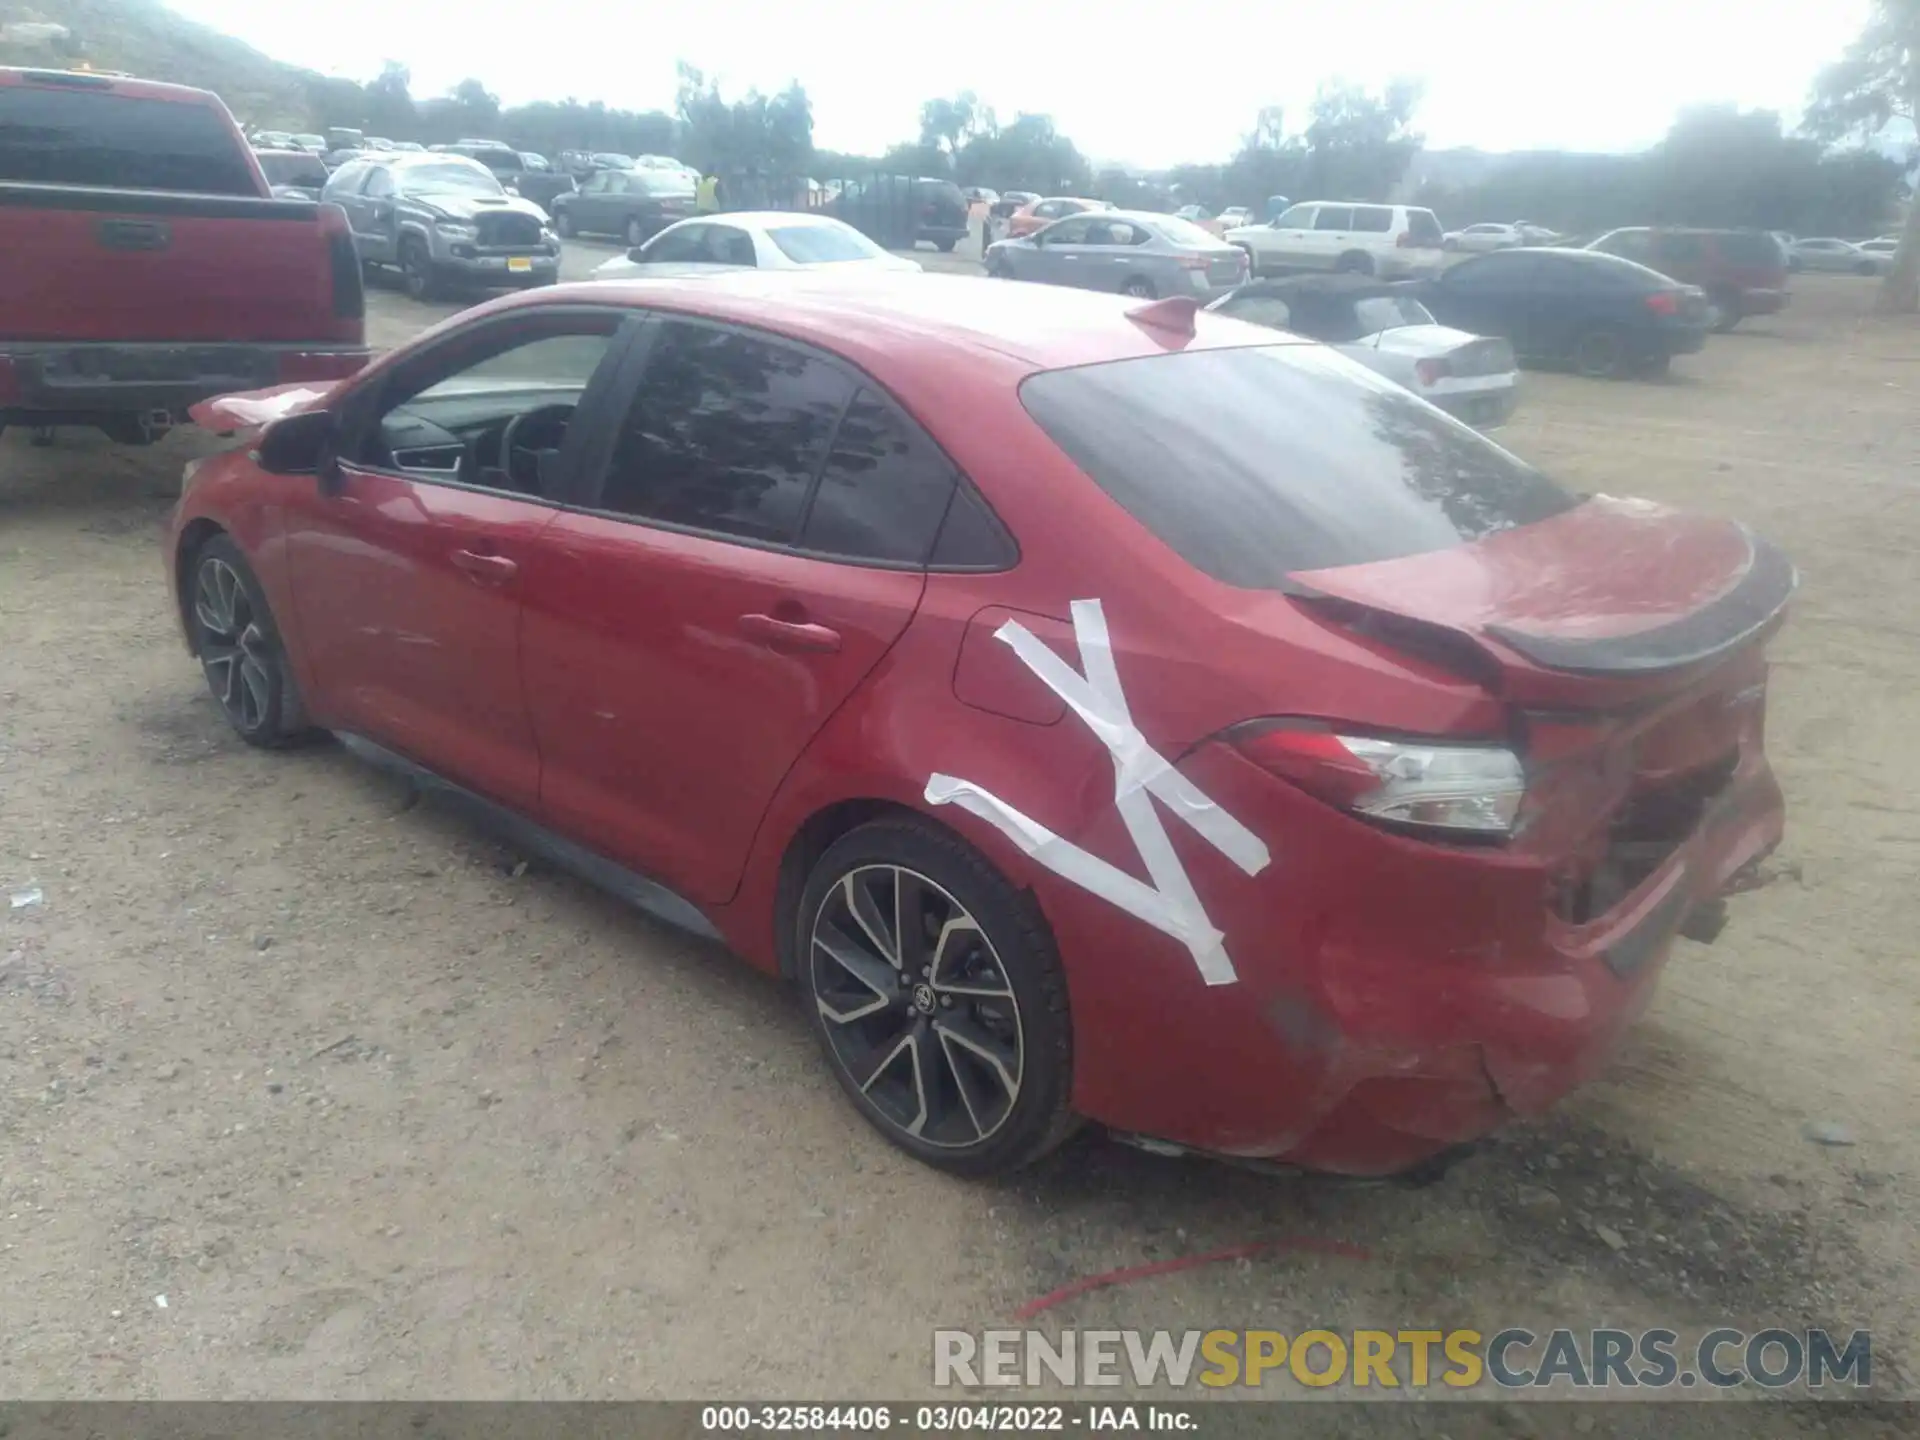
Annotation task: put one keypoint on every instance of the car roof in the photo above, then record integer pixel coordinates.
(767, 219)
(887, 320)
(112, 83)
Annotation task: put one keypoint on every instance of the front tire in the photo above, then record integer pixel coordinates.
(240, 650)
(417, 272)
(937, 996)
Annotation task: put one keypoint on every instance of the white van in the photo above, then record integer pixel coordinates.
(1394, 242)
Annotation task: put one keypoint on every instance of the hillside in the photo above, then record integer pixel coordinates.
(147, 39)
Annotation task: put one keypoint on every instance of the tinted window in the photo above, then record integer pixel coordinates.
(972, 537)
(1268, 310)
(379, 183)
(1683, 248)
(884, 490)
(1300, 217)
(1740, 247)
(1334, 217)
(1424, 228)
(1383, 312)
(87, 137)
(1255, 463)
(727, 434)
(302, 170)
(1072, 231)
(1181, 233)
(684, 244)
(1372, 219)
(822, 244)
(728, 246)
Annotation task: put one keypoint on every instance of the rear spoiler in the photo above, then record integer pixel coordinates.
(1753, 604)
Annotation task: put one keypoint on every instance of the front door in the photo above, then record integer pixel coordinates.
(380, 218)
(1060, 253)
(406, 569)
(687, 634)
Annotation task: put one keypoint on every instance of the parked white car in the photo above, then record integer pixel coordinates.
(1397, 242)
(1479, 239)
(1842, 256)
(1472, 377)
(1887, 246)
(753, 240)
(1232, 216)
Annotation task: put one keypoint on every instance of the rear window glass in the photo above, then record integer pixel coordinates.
(1424, 228)
(822, 244)
(88, 137)
(1387, 312)
(1747, 248)
(294, 170)
(1184, 232)
(1255, 463)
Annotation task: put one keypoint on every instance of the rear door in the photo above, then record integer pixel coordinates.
(1488, 295)
(1331, 236)
(754, 543)
(379, 210)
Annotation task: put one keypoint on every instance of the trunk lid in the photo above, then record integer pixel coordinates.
(1611, 600)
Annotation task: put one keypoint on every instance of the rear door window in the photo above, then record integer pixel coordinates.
(726, 435)
(1255, 463)
(1372, 219)
(1334, 217)
(92, 137)
(884, 490)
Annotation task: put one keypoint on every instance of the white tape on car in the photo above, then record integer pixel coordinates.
(1140, 776)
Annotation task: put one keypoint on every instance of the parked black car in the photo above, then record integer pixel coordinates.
(1604, 315)
(293, 174)
(582, 163)
(510, 168)
(633, 204)
(899, 212)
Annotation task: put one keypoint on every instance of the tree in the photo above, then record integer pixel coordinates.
(1358, 145)
(760, 146)
(390, 108)
(946, 126)
(1029, 154)
(1875, 83)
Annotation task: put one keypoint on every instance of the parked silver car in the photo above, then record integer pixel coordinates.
(1128, 251)
(1840, 256)
(1473, 378)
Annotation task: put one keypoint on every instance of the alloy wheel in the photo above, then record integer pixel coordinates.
(918, 1011)
(236, 653)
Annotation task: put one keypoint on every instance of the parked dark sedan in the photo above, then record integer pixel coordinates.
(1604, 315)
(293, 174)
(636, 205)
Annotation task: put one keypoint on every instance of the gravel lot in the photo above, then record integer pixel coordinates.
(384, 1113)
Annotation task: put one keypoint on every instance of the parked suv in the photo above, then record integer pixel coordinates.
(1395, 242)
(1744, 272)
(899, 212)
(441, 218)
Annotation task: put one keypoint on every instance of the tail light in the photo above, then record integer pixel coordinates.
(1430, 370)
(343, 263)
(1441, 787)
(1194, 262)
(1663, 302)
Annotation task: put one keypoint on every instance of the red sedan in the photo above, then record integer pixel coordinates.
(1097, 710)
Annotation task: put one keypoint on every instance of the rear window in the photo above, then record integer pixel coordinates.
(660, 182)
(1738, 247)
(1184, 232)
(294, 170)
(822, 244)
(1255, 463)
(89, 137)
(1424, 229)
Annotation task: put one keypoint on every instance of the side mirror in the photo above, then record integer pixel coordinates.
(638, 255)
(302, 444)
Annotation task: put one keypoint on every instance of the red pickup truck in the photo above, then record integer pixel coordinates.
(144, 264)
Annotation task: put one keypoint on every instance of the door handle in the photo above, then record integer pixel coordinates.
(790, 634)
(489, 569)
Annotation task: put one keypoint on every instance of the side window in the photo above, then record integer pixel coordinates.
(346, 180)
(1334, 217)
(884, 491)
(1424, 227)
(1300, 217)
(972, 537)
(1372, 219)
(594, 183)
(1051, 209)
(1268, 310)
(727, 246)
(726, 434)
(379, 183)
(683, 245)
(1684, 248)
(1074, 231)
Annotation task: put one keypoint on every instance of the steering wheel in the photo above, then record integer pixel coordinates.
(540, 414)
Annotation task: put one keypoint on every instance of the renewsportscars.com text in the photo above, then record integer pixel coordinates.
(1375, 1360)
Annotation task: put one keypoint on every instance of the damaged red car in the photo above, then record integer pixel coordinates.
(1098, 711)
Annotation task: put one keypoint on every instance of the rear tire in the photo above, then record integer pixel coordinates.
(945, 247)
(240, 649)
(1139, 287)
(1600, 354)
(563, 225)
(952, 1040)
(1354, 262)
(1727, 312)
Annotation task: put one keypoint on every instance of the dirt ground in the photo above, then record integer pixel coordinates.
(382, 1113)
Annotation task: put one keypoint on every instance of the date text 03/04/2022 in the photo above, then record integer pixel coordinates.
(946, 1419)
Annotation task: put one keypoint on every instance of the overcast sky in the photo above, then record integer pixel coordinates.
(1148, 84)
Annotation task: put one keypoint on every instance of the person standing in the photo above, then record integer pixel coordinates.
(706, 195)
